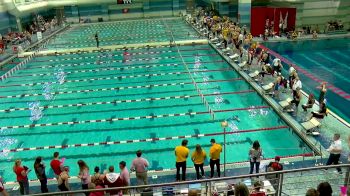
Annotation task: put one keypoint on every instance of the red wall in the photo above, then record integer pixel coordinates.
(260, 14)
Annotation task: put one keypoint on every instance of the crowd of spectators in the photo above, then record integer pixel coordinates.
(17, 38)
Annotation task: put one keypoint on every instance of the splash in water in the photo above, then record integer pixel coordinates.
(47, 88)
(35, 111)
(60, 75)
(252, 111)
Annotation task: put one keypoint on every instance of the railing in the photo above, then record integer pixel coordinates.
(287, 182)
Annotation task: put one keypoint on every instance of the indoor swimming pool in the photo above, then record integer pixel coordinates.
(103, 106)
(321, 60)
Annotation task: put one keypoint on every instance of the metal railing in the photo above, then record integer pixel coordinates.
(287, 182)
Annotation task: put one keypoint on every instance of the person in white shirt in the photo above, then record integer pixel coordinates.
(335, 150)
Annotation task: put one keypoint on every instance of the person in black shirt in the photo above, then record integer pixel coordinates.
(39, 169)
(97, 41)
(322, 112)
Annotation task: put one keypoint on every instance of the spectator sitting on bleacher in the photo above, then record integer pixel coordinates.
(325, 189)
(241, 190)
(257, 192)
(312, 192)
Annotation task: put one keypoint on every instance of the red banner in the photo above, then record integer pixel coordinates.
(272, 17)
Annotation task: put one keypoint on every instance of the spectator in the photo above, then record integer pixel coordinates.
(312, 192)
(215, 151)
(198, 157)
(84, 175)
(124, 175)
(98, 185)
(39, 168)
(181, 153)
(276, 165)
(323, 91)
(241, 190)
(322, 112)
(255, 154)
(310, 102)
(335, 150)
(97, 175)
(22, 179)
(63, 180)
(256, 191)
(56, 164)
(140, 165)
(112, 180)
(2, 189)
(324, 189)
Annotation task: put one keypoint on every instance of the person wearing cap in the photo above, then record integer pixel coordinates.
(277, 65)
(276, 165)
(181, 153)
(215, 151)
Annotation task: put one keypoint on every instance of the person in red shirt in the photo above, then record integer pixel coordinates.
(56, 164)
(112, 180)
(22, 179)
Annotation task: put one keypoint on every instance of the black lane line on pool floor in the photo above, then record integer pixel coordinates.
(111, 120)
(127, 101)
(39, 83)
(129, 60)
(144, 140)
(102, 70)
(111, 89)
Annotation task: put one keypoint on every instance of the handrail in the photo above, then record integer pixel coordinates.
(198, 181)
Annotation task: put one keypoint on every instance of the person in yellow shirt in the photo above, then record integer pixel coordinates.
(181, 153)
(215, 151)
(198, 157)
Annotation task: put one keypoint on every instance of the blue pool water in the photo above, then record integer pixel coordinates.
(327, 60)
(108, 107)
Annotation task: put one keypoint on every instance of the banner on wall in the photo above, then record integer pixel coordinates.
(274, 18)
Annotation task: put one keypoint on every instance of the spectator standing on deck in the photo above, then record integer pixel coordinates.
(140, 165)
(84, 175)
(39, 168)
(335, 150)
(198, 157)
(112, 180)
(215, 151)
(255, 154)
(22, 177)
(124, 175)
(323, 91)
(181, 153)
(56, 164)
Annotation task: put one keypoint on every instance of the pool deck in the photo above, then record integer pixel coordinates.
(329, 126)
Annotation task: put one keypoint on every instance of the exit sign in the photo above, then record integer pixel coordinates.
(124, 1)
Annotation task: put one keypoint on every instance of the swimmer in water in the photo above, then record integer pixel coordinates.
(236, 118)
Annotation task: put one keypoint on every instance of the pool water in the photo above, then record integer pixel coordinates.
(324, 60)
(103, 106)
(117, 33)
